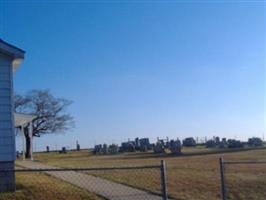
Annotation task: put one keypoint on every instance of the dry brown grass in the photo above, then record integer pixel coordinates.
(189, 177)
(37, 186)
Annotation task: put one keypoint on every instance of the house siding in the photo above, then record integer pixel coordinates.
(10, 58)
(7, 136)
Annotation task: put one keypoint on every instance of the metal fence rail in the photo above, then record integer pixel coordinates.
(85, 169)
(244, 162)
(243, 169)
(114, 183)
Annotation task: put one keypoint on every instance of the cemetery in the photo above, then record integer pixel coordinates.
(174, 147)
(190, 176)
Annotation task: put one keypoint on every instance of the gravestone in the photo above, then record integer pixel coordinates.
(128, 146)
(210, 144)
(175, 147)
(137, 143)
(10, 58)
(97, 149)
(255, 141)
(189, 142)
(78, 146)
(105, 149)
(63, 150)
(144, 144)
(159, 147)
(113, 149)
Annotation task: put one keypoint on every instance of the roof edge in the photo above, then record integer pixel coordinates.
(12, 46)
(11, 51)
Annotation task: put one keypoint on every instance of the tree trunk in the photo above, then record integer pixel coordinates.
(28, 143)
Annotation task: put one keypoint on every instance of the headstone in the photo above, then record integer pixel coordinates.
(210, 144)
(113, 149)
(63, 150)
(255, 141)
(137, 143)
(131, 147)
(159, 147)
(128, 146)
(144, 144)
(78, 146)
(232, 143)
(223, 143)
(123, 147)
(189, 142)
(175, 147)
(47, 149)
(217, 140)
(105, 149)
(97, 149)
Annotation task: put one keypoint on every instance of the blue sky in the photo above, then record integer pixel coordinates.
(144, 69)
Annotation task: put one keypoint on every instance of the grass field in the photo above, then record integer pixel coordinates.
(37, 186)
(192, 176)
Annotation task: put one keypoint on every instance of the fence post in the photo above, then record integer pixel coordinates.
(223, 187)
(163, 180)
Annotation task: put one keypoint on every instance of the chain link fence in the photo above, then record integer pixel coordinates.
(239, 180)
(243, 180)
(120, 183)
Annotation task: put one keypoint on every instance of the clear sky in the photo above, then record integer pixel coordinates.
(144, 68)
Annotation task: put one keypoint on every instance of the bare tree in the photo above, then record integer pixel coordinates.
(50, 112)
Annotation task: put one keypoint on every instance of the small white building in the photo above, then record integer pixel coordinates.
(10, 59)
(25, 120)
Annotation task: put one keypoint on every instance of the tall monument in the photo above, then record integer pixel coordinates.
(10, 58)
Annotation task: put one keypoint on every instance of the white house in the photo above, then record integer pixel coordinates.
(10, 59)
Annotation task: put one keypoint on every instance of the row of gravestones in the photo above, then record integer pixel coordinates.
(131, 146)
(105, 149)
(64, 149)
(174, 146)
(142, 144)
(233, 143)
